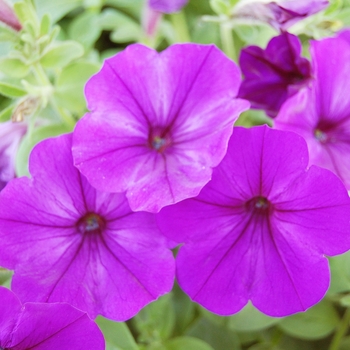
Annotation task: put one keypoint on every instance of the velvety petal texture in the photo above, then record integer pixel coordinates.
(260, 228)
(167, 6)
(10, 137)
(321, 114)
(158, 123)
(68, 242)
(280, 14)
(274, 74)
(40, 326)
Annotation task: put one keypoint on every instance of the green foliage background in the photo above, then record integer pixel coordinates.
(43, 70)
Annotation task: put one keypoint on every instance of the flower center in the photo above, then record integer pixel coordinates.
(91, 223)
(259, 205)
(159, 140)
(321, 136)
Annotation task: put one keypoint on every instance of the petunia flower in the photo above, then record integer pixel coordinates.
(260, 229)
(39, 326)
(158, 123)
(280, 14)
(167, 6)
(321, 113)
(8, 16)
(68, 242)
(10, 137)
(274, 74)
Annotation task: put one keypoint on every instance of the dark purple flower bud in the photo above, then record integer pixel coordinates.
(274, 74)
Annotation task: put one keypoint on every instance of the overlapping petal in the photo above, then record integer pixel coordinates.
(321, 114)
(115, 266)
(180, 98)
(40, 326)
(260, 228)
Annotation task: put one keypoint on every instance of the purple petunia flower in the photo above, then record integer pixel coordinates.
(68, 242)
(10, 137)
(280, 14)
(159, 123)
(274, 74)
(260, 228)
(321, 113)
(167, 6)
(39, 326)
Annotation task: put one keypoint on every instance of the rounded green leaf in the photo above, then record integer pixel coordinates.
(85, 29)
(14, 67)
(10, 90)
(249, 319)
(190, 343)
(315, 323)
(61, 54)
(117, 335)
(69, 91)
(340, 272)
(219, 337)
(30, 140)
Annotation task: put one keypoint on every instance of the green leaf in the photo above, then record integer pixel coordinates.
(7, 34)
(45, 25)
(26, 13)
(345, 344)
(315, 323)
(70, 84)
(219, 337)
(340, 272)
(30, 140)
(250, 319)
(56, 9)
(184, 308)
(61, 54)
(10, 90)
(14, 67)
(117, 335)
(190, 343)
(85, 29)
(157, 320)
(5, 275)
(221, 7)
(6, 113)
(125, 29)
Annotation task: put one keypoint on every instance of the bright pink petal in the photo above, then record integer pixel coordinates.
(182, 93)
(167, 6)
(55, 327)
(114, 269)
(260, 228)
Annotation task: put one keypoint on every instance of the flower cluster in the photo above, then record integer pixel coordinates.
(157, 162)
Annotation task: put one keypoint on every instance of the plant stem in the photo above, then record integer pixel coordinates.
(228, 44)
(180, 24)
(341, 331)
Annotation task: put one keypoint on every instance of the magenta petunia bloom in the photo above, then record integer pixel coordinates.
(10, 137)
(260, 228)
(159, 123)
(39, 326)
(280, 14)
(167, 6)
(68, 242)
(321, 113)
(274, 74)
